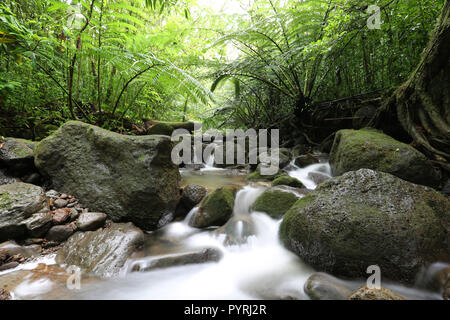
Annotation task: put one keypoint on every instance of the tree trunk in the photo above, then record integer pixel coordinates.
(422, 103)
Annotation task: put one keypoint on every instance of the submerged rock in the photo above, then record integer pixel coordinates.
(129, 178)
(19, 202)
(237, 230)
(102, 252)
(371, 149)
(202, 256)
(276, 201)
(215, 209)
(286, 180)
(321, 286)
(365, 293)
(368, 218)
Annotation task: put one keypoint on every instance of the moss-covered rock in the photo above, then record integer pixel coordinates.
(286, 180)
(19, 202)
(215, 209)
(161, 128)
(276, 201)
(368, 218)
(102, 252)
(127, 177)
(17, 155)
(257, 176)
(371, 149)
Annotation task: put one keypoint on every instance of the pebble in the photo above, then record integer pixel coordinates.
(60, 203)
(60, 216)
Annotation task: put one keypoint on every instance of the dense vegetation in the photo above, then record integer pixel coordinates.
(119, 63)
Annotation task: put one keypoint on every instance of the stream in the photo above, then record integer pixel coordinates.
(254, 264)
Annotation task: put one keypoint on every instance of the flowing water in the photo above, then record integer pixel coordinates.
(254, 264)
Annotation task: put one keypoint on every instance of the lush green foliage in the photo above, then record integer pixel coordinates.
(115, 62)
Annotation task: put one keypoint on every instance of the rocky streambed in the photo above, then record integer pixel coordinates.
(125, 223)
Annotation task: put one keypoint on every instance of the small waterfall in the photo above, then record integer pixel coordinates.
(304, 174)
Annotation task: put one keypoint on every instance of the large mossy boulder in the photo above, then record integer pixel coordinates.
(17, 155)
(276, 201)
(102, 252)
(370, 149)
(127, 177)
(368, 218)
(215, 209)
(24, 209)
(161, 129)
(286, 180)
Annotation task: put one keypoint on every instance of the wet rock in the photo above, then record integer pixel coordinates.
(38, 224)
(10, 249)
(321, 286)
(17, 155)
(276, 201)
(368, 218)
(18, 202)
(9, 265)
(258, 176)
(203, 256)
(368, 148)
(192, 195)
(161, 129)
(102, 252)
(237, 230)
(127, 177)
(60, 203)
(215, 209)
(61, 216)
(286, 180)
(365, 293)
(318, 177)
(59, 233)
(74, 214)
(91, 221)
(4, 295)
(305, 160)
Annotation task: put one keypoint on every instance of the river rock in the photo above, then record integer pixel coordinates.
(129, 178)
(321, 286)
(61, 216)
(257, 176)
(286, 180)
(102, 252)
(60, 203)
(276, 201)
(365, 293)
(4, 295)
(192, 195)
(17, 155)
(368, 218)
(305, 160)
(90, 221)
(59, 233)
(9, 265)
(202, 256)
(215, 209)
(39, 223)
(318, 177)
(18, 202)
(371, 149)
(237, 230)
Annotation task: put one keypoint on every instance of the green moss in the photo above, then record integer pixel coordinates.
(161, 129)
(368, 148)
(257, 176)
(285, 180)
(275, 202)
(216, 208)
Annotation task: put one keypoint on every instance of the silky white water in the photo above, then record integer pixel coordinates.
(259, 267)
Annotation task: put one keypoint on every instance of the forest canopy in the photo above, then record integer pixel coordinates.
(226, 63)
